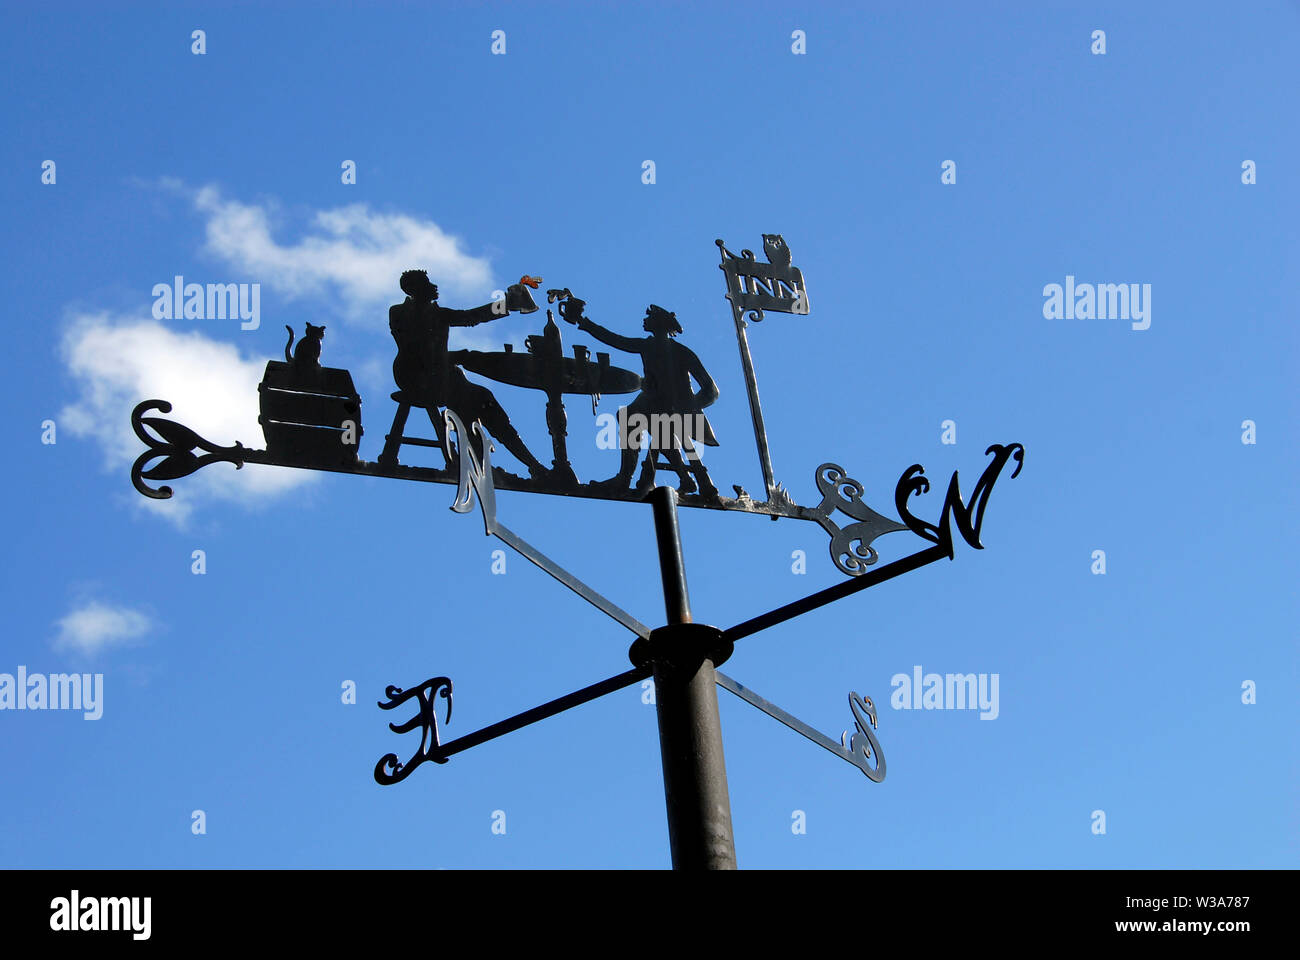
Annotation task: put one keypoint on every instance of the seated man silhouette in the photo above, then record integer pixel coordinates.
(425, 372)
(665, 391)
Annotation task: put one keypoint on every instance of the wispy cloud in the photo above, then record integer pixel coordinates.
(351, 254)
(116, 363)
(95, 627)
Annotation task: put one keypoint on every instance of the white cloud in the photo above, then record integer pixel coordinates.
(350, 254)
(95, 627)
(212, 389)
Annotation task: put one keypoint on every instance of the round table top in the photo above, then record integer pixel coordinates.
(527, 370)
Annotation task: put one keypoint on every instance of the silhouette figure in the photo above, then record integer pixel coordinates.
(424, 371)
(777, 252)
(666, 405)
(307, 353)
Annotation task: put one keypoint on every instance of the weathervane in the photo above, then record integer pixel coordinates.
(311, 419)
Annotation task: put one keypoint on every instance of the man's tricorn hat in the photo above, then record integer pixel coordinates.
(657, 318)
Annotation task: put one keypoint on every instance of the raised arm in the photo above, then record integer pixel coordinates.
(617, 341)
(471, 317)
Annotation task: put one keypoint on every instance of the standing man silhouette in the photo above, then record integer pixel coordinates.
(665, 390)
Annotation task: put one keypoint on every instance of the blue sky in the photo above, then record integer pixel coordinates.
(1120, 692)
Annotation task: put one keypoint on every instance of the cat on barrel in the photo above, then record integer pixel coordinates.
(307, 353)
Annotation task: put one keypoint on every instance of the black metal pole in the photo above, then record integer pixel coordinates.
(686, 700)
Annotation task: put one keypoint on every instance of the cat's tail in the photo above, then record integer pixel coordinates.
(287, 357)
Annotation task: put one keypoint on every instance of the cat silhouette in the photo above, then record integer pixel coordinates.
(307, 353)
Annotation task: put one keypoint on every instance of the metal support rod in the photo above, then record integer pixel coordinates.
(531, 553)
(755, 408)
(845, 750)
(672, 567)
(690, 732)
(837, 592)
(549, 709)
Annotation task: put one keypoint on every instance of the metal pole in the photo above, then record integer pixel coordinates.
(686, 701)
(755, 408)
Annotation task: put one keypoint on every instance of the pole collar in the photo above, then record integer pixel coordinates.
(681, 645)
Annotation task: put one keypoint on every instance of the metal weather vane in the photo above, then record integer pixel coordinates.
(311, 419)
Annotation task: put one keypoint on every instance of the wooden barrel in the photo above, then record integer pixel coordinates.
(310, 415)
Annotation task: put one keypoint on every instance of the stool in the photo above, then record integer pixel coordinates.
(395, 437)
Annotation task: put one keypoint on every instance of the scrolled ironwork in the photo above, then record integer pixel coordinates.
(390, 769)
(863, 746)
(175, 445)
(850, 545)
(969, 517)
